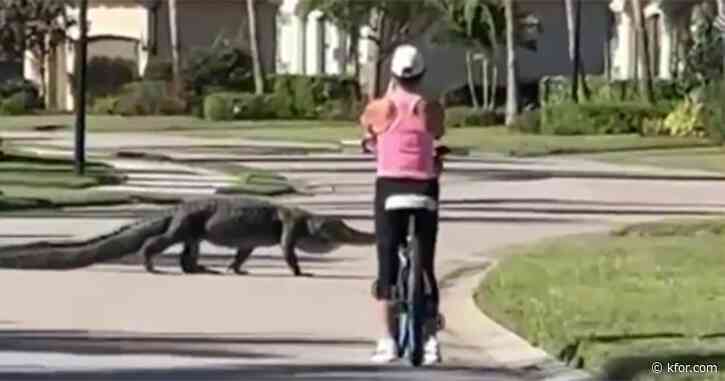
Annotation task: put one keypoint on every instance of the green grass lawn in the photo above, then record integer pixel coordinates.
(30, 181)
(708, 159)
(491, 139)
(36, 171)
(96, 123)
(643, 293)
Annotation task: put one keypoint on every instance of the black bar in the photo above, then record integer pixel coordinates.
(81, 55)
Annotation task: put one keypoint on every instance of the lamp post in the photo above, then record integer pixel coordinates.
(80, 128)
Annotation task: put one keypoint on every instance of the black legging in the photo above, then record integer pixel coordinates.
(390, 230)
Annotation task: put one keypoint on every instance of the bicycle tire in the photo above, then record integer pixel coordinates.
(415, 299)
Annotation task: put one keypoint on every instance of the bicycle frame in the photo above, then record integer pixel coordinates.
(408, 306)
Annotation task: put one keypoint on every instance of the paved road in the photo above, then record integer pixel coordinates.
(115, 322)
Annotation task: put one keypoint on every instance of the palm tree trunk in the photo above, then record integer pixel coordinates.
(373, 75)
(354, 52)
(494, 86)
(571, 34)
(254, 48)
(469, 76)
(578, 52)
(646, 85)
(720, 25)
(608, 51)
(486, 103)
(496, 53)
(512, 96)
(675, 60)
(175, 56)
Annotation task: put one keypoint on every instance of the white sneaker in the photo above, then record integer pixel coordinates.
(432, 351)
(386, 351)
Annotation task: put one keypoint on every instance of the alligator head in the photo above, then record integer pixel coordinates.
(325, 234)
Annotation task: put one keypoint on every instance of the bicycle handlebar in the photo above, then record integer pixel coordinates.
(368, 147)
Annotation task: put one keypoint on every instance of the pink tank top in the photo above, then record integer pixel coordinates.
(406, 148)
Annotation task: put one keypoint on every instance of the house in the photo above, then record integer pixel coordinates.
(666, 22)
(313, 46)
(138, 30)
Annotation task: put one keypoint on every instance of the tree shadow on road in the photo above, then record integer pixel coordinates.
(222, 347)
(283, 372)
(110, 343)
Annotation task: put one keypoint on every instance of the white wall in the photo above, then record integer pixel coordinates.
(297, 51)
(128, 21)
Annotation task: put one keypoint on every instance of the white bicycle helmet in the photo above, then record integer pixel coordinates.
(407, 62)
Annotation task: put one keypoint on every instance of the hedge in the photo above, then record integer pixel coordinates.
(239, 106)
(148, 98)
(463, 116)
(312, 97)
(589, 118)
(557, 89)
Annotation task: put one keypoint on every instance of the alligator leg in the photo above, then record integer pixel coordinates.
(242, 255)
(189, 259)
(178, 230)
(291, 230)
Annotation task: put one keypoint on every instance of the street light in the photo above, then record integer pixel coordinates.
(80, 130)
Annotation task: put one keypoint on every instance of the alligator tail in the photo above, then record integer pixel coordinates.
(119, 243)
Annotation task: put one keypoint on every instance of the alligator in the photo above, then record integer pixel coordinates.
(241, 223)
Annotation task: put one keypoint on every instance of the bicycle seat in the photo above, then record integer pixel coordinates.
(410, 201)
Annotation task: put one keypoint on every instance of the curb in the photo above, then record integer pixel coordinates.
(504, 347)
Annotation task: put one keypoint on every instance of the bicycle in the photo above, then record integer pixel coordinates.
(412, 287)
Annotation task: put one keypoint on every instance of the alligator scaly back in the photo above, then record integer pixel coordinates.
(67, 255)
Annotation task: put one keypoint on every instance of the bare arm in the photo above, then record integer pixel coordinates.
(377, 117)
(435, 118)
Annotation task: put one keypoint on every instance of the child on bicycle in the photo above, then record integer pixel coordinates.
(405, 127)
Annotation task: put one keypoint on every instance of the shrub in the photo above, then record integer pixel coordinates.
(105, 105)
(686, 120)
(714, 115)
(303, 93)
(220, 65)
(30, 93)
(469, 116)
(16, 104)
(107, 75)
(599, 118)
(145, 98)
(342, 110)
(215, 107)
(557, 89)
(528, 122)
(238, 106)
(169, 105)
(456, 116)
(307, 96)
(158, 70)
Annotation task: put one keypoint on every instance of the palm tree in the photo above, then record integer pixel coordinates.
(480, 25)
(254, 48)
(175, 56)
(573, 23)
(720, 25)
(512, 94)
(645, 84)
(571, 33)
(469, 76)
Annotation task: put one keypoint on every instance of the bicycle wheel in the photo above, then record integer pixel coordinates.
(415, 299)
